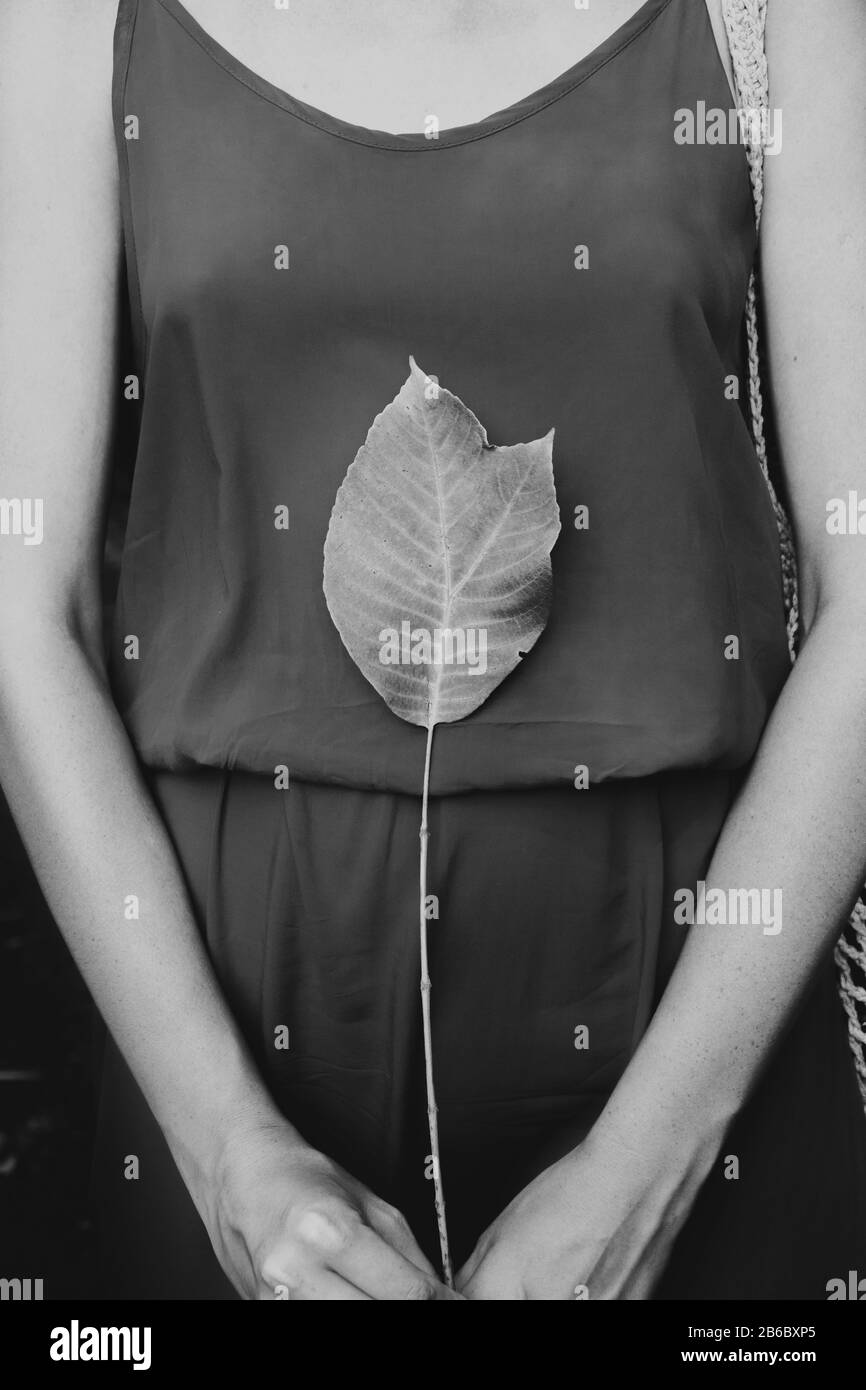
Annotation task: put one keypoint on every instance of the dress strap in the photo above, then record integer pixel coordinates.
(714, 9)
(124, 29)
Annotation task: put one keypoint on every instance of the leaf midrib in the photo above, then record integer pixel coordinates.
(433, 702)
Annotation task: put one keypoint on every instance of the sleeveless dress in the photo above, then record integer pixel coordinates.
(564, 262)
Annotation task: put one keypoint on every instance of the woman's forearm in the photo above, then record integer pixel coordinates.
(601, 1222)
(799, 826)
(95, 839)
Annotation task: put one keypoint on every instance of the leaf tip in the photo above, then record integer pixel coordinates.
(420, 377)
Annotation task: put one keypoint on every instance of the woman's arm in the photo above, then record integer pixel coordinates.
(606, 1216)
(276, 1211)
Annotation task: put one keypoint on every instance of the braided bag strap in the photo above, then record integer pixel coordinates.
(745, 24)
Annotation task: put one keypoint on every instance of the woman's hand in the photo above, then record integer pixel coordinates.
(287, 1222)
(597, 1224)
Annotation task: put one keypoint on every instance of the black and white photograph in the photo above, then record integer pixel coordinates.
(433, 664)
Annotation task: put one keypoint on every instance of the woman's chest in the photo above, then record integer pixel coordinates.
(391, 65)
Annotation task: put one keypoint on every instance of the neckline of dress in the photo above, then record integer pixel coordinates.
(542, 97)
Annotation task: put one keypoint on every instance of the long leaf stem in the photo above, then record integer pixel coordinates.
(432, 1111)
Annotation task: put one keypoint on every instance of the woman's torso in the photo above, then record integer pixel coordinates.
(262, 370)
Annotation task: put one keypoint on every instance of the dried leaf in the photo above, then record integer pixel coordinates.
(437, 559)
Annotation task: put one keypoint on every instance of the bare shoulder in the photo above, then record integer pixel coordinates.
(59, 272)
(817, 43)
(80, 28)
(57, 142)
(813, 270)
(816, 56)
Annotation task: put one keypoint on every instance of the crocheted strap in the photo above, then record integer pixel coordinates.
(745, 24)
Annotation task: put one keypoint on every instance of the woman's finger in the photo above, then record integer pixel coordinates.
(482, 1288)
(327, 1287)
(469, 1270)
(373, 1265)
(313, 1286)
(395, 1230)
